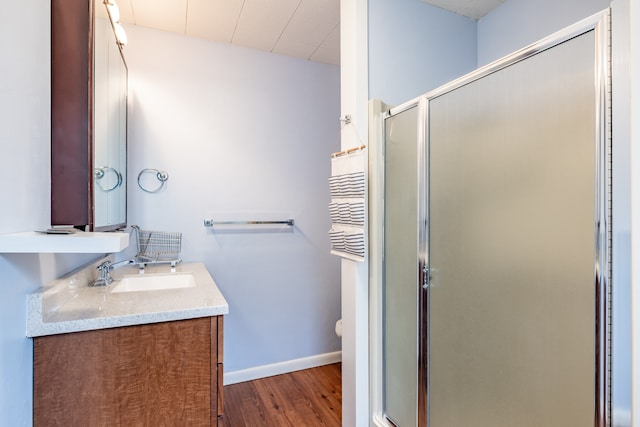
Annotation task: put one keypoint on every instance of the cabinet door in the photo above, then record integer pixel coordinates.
(219, 322)
(157, 374)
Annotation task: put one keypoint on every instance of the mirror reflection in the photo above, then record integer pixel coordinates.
(109, 124)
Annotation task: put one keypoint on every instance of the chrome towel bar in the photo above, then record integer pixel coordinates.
(211, 222)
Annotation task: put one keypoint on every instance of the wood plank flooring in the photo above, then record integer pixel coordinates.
(312, 397)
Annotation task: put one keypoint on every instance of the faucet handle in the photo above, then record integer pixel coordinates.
(104, 266)
(104, 278)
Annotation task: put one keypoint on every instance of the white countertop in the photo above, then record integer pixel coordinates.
(70, 305)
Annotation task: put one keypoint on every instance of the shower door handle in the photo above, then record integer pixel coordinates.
(425, 276)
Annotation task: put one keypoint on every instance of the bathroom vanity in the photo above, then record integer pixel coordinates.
(129, 353)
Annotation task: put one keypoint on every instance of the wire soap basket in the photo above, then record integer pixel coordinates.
(158, 247)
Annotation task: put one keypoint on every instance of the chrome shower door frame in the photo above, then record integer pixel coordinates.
(600, 24)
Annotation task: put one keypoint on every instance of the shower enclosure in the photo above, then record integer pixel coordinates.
(496, 243)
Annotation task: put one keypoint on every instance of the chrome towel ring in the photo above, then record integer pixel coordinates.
(100, 173)
(161, 175)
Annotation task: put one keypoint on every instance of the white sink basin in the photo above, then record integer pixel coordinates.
(154, 282)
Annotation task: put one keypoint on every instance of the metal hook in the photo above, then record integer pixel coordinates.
(346, 119)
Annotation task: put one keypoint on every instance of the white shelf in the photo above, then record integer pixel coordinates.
(347, 255)
(79, 242)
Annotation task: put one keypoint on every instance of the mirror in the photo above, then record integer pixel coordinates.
(88, 118)
(109, 124)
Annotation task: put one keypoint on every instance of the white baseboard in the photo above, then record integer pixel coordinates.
(380, 421)
(281, 368)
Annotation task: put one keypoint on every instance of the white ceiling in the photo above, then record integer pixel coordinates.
(308, 29)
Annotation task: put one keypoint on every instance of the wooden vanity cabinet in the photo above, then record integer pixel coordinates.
(146, 375)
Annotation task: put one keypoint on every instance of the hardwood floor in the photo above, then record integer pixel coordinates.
(312, 397)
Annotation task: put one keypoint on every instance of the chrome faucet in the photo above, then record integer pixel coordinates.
(104, 272)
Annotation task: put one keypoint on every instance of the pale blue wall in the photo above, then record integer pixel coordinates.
(518, 23)
(415, 47)
(244, 135)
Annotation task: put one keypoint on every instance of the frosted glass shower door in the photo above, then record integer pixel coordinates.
(400, 290)
(512, 201)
